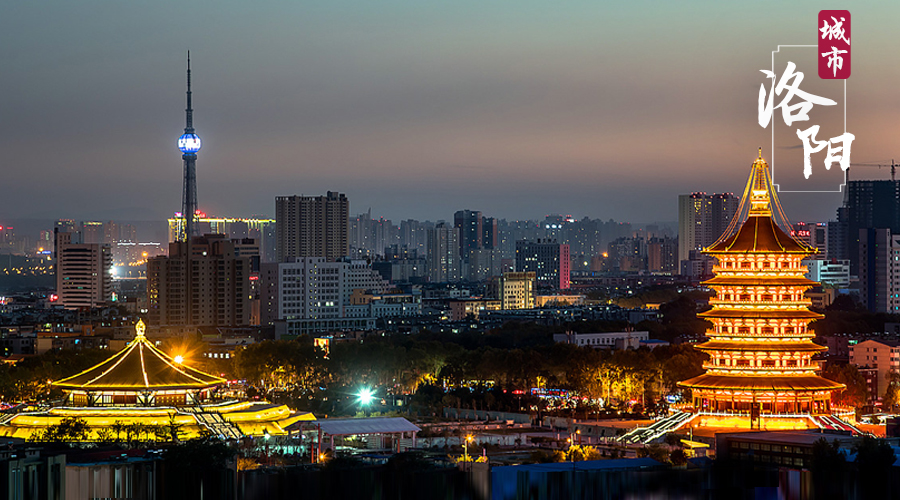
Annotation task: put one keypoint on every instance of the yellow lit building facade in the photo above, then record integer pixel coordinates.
(141, 384)
(760, 347)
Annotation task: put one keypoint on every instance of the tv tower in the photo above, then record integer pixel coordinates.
(189, 144)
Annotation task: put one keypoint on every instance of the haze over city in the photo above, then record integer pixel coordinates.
(517, 109)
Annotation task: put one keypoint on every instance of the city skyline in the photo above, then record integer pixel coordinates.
(517, 113)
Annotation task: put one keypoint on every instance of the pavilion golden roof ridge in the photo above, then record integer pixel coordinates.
(130, 370)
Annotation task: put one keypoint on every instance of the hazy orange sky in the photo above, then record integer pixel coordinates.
(415, 109)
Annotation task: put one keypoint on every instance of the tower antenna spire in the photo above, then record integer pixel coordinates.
(189, 112)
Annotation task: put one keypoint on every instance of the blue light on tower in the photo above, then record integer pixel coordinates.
(189, 143)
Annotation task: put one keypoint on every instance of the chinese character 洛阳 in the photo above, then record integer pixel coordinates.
(836, 154)
(789, 85)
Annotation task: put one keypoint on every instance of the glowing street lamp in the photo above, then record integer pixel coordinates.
(469, 439)
(365, 397)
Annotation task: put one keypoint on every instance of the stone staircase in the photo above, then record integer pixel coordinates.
(644, 435)
(216, 424)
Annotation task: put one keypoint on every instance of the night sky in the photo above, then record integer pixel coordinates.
(415, 109)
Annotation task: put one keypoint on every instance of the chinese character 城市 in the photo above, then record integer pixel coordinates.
(834, 31)
(835, 61)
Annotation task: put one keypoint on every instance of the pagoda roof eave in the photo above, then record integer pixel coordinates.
(759, 281)
(765, 314)
(762, 345)
(805, 383)
(759, 234)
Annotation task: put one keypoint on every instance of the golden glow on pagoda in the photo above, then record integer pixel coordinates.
(760, 346)
(141, 384)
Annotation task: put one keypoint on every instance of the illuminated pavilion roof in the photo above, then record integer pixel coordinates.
(762, 383)
(139, 367)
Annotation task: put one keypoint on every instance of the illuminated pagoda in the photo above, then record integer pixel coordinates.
(141, 384)
(760, 346)
(139, 375)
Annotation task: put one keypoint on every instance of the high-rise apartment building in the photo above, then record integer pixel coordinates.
(702, 218)
(882, 356)
(867, 205)
(662, 255)
(83, 272)
(813, 234)
(202, 284)
(471, 231)
(628, 254)
(490, 236)
(549, 261)
(879, 269)
(443, 261)
(312, 226)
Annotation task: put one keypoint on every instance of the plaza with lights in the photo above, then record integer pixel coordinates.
(141, 384)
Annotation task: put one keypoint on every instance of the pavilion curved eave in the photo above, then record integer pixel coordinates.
(762, 383)
(766, 314)
(718, 345)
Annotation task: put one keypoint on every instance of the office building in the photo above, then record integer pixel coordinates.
(549, 261)
(83, 272)
(604, 340)
(312, 226)
(259, 228)
(443, 261)
(201, 284)
(312, 294)
(702, 218)
(835, 273)
(517, 290)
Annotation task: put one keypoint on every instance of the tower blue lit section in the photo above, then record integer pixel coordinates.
(189, 144)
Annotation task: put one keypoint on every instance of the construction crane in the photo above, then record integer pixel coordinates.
(879, 165)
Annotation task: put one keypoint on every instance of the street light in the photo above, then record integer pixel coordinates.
(469, 438)
(365, 397)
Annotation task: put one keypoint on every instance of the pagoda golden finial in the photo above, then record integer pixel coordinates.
(140, 328)
(759, 188)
